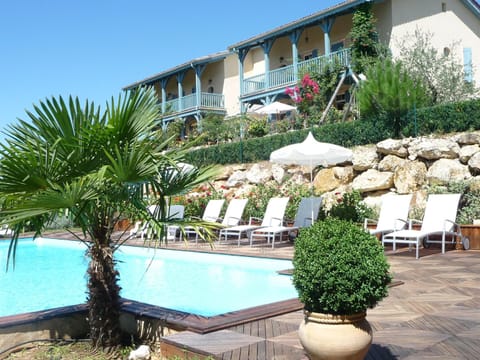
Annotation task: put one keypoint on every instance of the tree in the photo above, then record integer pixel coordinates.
(443, 75)
(95, 167)
(389, 90)
(364, 37)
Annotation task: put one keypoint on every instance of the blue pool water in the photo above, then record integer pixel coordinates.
(51, 273)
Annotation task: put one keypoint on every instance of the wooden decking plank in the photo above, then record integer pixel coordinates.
(432, 314)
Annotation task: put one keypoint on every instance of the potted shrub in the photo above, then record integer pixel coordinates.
(339, 271)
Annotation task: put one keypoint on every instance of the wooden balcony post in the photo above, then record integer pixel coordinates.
(163, 85)
(294, 37)
(199, 68)
(180, 77)
(326, 26)
(267, 47)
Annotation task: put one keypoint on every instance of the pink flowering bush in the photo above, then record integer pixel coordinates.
(305, 94)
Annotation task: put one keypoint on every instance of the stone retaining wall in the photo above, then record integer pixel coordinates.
(392, 166)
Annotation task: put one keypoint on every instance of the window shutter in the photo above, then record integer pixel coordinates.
(467, 64)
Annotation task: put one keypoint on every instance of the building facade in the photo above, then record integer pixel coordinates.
(259, 69)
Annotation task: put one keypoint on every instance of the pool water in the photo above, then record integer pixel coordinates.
(52, 273)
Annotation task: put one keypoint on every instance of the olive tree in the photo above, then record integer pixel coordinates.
(441, 71)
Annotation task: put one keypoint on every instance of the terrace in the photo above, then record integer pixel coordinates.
(275, 81)
(431, 312)
(192, 104)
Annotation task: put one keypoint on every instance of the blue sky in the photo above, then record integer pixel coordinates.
(92, 48)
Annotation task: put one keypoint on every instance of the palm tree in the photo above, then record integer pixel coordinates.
(95, 168)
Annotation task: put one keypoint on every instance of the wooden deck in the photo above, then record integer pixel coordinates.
(434, 314)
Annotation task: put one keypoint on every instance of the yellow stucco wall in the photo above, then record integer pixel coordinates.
(231, 85)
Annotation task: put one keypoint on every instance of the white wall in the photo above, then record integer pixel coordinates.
(458, 25)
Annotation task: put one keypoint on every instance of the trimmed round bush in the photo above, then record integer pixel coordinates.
(339, 268)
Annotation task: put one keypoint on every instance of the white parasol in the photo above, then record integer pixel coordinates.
(311, 153)
(275, 108)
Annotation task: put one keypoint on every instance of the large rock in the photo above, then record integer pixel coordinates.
(331, 178)
(433, 149)
(390, 163)
(410, 176)
(364, 157)
(469, 138)
(392, 147)
(228, 170)
(238, 178)
(444, 171)
(474, 163)
(373, 180)
(259, 173)
(418, 204)
(467, 151)
(278, 173)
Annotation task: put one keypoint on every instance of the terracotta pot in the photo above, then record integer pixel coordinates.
(326, 336)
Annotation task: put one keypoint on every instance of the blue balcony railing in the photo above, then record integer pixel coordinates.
(285, 76)
(189, 102)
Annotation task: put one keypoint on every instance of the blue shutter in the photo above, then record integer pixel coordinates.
(467, 64)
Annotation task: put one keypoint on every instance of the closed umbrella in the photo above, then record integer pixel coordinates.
(311, 153)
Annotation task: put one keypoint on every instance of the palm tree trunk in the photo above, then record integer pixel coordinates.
(103, 298)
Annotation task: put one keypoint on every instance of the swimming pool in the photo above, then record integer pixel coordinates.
(51, 273)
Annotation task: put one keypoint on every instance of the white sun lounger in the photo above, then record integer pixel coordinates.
(393, 215)
(307, 213)
(273, 216)
(210, 214)
(439, 219)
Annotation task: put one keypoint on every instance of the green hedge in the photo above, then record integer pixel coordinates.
(447, 118)
(463, 116)
(257, 149)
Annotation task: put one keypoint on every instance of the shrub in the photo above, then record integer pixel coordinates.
(260, 195)
(350, 206)
(196, 202)
(339, 268)
(469, 206)
(257, 127)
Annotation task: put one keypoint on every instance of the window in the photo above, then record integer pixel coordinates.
(467, 64)
(444, 7)
(210, 90)
(336, 46)
(446, 51)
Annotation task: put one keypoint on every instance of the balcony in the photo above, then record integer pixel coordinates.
(285, 76)
(188, 103)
